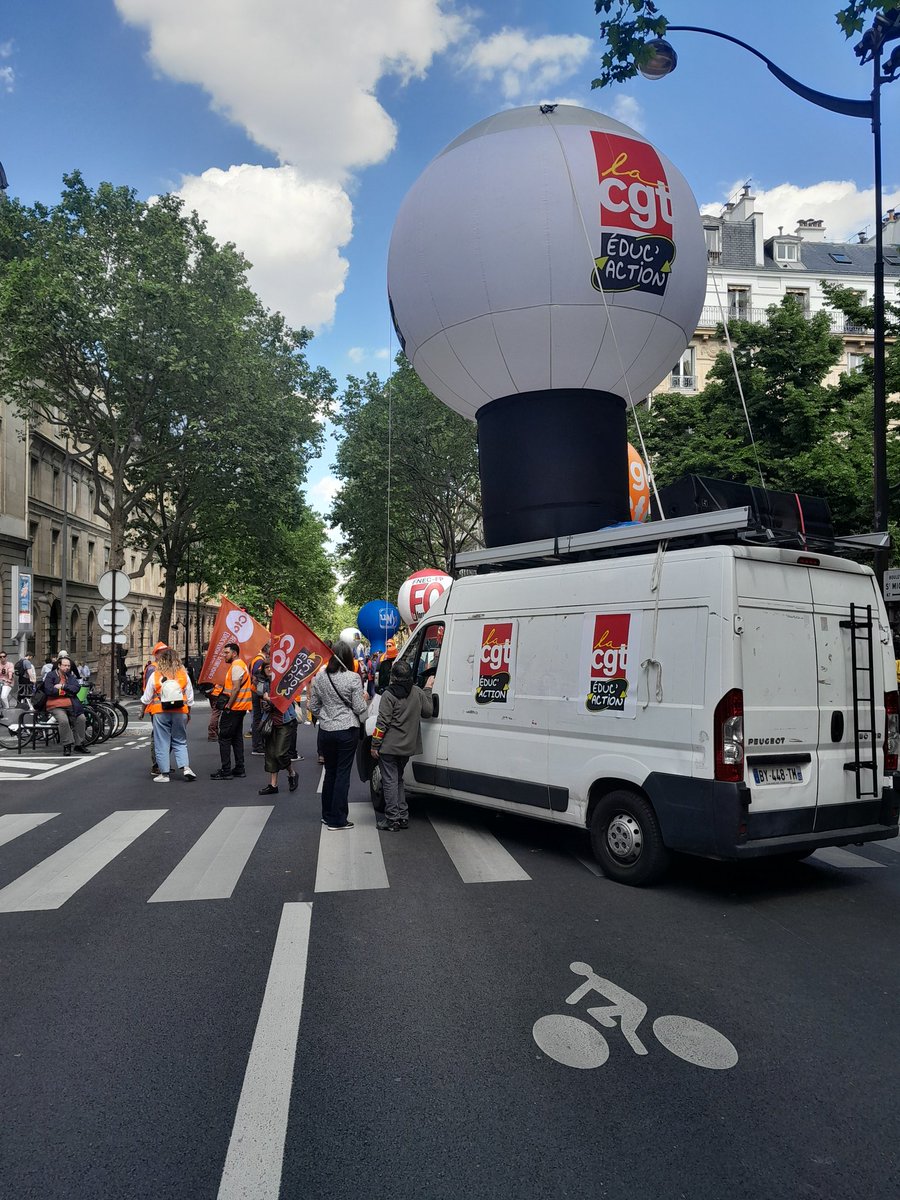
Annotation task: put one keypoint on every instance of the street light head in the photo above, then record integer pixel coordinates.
(662, 60)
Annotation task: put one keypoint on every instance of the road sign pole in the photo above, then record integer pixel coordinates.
(114, 645)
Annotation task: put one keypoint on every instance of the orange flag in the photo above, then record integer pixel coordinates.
(232, 625)
(297, 654)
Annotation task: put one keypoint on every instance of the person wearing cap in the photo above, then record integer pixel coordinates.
(149, 668)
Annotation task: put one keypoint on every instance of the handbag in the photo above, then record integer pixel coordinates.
(362, 720)
(266, 726)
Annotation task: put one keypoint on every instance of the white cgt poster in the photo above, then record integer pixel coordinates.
(610, 663)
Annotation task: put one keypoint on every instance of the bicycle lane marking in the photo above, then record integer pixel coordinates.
(255, 1157)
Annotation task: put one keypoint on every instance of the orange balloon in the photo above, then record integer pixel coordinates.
(638, 486)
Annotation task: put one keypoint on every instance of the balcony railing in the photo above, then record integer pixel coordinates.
(712, 316)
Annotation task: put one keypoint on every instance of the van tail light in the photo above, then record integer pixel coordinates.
(728, 737)
(891, 731)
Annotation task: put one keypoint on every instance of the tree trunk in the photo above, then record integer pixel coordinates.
(168, 604)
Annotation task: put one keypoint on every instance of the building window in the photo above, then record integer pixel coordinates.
(90, 499)
(92, 546)
(713, 235)
(54, 551)
(34, 530)
(55, 495)
(91, 622)
(683, 374)
(73, 564)
(74, 630)
(33, 476)
(739, 303)
(106, 558)
(787, 252)
(855, 362)
(800, 296)
(74, 497)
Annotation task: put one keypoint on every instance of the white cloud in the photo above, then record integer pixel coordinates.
(526, 67)
(290, 228)
(843, 207)
(7, 74)
(321, 493)
(299, 75)
(628, 110)
(358, 354)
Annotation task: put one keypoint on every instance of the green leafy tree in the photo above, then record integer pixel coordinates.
(435, 496)
(126, 327)
(809, 437)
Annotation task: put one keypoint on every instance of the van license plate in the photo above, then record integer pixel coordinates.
(777, 775)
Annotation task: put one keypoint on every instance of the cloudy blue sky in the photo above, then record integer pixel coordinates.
(295, 127)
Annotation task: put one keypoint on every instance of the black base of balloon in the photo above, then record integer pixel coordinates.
(552, 463)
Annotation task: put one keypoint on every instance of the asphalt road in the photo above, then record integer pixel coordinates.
(352, 1018)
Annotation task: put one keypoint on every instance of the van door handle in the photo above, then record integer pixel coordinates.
(435, 700)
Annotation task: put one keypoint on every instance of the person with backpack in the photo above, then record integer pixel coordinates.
(168, 697)
(397, 736)
(60, 687)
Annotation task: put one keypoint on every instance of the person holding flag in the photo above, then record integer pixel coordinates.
(297, 654)
(278, 731)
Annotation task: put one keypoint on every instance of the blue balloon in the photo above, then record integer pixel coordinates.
(378, 621)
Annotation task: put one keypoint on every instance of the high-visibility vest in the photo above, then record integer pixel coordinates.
(155, 705)
(243, 703)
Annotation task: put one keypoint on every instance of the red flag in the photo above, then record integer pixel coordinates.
(297, 654)
(232, 625)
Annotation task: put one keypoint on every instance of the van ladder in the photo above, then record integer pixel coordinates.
(861, 658)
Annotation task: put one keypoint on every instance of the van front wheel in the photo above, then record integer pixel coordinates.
(626, 839)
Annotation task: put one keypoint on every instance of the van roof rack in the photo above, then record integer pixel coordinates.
(723, 526)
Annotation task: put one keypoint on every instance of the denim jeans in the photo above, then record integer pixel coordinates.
(170, 735)
(392, 768)
(338, 748)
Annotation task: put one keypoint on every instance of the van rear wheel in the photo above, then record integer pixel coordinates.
(626, 839)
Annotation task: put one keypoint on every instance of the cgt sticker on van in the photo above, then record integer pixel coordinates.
(611, 643)
(496, 661)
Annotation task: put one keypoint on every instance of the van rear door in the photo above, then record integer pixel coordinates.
(781, 694)
(833, 592)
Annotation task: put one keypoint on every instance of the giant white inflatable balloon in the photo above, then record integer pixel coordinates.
(350, 635)
(547, 268)
(419, 592)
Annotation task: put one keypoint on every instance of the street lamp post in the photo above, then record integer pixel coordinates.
(886, 27)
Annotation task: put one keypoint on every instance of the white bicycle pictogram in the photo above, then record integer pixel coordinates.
(574, 1042)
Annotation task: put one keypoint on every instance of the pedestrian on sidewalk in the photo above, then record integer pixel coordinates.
(338, 704)
(231, 723)
(278, 731)
(168, 697)
(61, 685)
(397, 736)
(7, 679)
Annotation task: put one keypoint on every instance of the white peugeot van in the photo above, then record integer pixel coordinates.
(730, 701)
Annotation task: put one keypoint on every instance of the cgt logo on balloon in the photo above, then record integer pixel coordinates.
(495, 663)
(636, 246)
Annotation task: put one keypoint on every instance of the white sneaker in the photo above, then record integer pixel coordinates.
(160, 779)
(189, 774)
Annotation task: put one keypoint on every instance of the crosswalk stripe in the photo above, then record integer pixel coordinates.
(893, 844)
(255, 1155)
(55, 880)
(590, 865)
(211, 868)
(476, 853)
(834, 856)
(350, 860)
(13, 825)
(321, 782)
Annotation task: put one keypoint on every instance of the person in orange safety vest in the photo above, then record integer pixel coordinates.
(168, 697)
(231, 723)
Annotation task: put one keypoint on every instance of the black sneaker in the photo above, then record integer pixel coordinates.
(222, 775)
(403, 823)
(82, 750)
(333, 828)
(388, 826)
(238, 773)
(268, 790)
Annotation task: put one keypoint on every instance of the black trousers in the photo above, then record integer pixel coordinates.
(231, 739)
(256, 741)
(338, 748)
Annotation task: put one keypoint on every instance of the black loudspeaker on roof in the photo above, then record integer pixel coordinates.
(793, 519)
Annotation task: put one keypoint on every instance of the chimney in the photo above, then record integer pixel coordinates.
(811, 230)
(891, 228)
